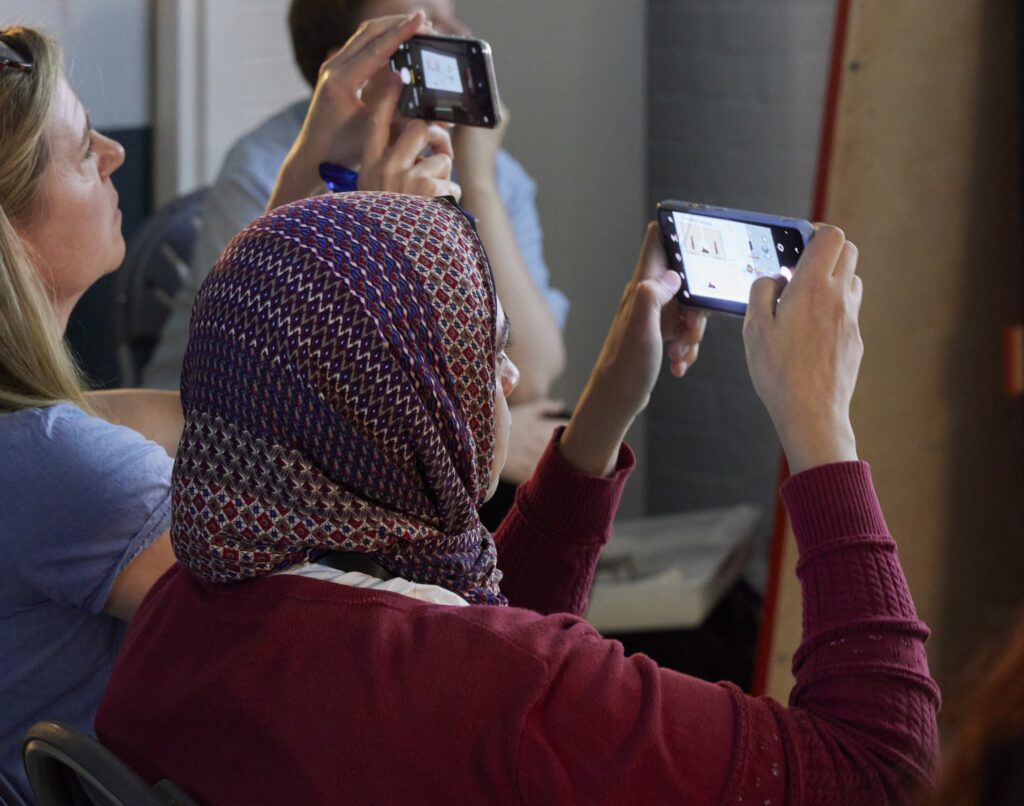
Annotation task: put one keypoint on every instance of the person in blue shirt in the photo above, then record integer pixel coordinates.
(496, 189)
(85, 477)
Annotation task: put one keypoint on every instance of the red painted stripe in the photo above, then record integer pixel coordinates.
(818, 213)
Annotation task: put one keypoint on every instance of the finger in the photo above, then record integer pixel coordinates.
(847, 263)
(653, 261)
(678, 321)
(381, 108)
(433, 188)
(382, 82)
(447, 188)
(819, 258)
(374, 53)
(371, 30)
(857, 292)
(696, 323)
(407, 148)
(764, 293)
(439, 140)
(436, 166)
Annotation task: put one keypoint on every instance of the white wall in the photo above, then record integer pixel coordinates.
(222, 67)
(572, 72)
(106, 49)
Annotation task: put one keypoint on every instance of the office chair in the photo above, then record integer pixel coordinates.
(8, 794)
(155, 265)
(69, 768)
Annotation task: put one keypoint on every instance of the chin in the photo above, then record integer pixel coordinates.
(492, 489)
(117, 258)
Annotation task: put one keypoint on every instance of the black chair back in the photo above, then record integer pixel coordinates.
(8, 794)
(155, 265)
(69, 768)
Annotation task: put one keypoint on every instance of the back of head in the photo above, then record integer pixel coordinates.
(319, 26)
(35, 367)
(338, 390)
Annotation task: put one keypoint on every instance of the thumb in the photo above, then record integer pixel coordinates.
(663, 288)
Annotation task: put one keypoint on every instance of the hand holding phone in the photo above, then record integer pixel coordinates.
(620, 384)
(804, 350)
(719, 252)
(448, 78)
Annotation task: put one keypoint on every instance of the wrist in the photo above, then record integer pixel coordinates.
(314, 146)
(475, 185)
(592, 438)
(812, 445)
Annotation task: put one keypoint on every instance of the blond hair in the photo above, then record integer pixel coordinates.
(36, 368)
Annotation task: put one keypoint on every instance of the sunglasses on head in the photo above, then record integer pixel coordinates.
(12, 58)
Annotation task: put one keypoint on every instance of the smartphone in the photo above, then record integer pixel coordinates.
(448, 78)
(720, 251)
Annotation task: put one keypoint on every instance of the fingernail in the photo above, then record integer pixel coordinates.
(682, 368)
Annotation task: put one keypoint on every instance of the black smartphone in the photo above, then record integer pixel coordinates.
(720, 251)
(448, 78)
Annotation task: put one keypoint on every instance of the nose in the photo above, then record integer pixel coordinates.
(112, 155)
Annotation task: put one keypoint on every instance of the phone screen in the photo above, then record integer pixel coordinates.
(720, 258)
(446, 78)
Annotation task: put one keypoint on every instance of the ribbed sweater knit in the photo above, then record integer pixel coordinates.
(298, 691)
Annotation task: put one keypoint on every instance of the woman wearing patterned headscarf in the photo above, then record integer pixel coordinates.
(339, 630)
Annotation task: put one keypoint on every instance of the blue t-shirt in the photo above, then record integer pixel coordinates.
(80, 499)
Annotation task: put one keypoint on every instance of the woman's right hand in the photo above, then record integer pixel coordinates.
(337, 122)
(804, 349)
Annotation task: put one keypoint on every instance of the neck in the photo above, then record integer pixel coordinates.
(62, 309)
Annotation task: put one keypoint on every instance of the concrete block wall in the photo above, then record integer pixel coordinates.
(735, 96)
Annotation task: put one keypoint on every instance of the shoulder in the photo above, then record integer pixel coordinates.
(65, 427)
(260, 152)
(80, 498)
(62, 442)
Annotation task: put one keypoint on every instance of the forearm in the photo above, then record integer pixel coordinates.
(862, 715)
(538, 348)
(549, 543)
(298, 178)
(155, 414)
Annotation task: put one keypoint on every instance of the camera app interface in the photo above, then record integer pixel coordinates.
(444, 80)
(441, 72)
(722, 258)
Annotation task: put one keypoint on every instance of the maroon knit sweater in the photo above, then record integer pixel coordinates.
(291, 690)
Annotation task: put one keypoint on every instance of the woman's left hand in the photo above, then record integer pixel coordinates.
(620, 385)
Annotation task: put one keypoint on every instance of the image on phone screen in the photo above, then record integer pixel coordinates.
(720, 258)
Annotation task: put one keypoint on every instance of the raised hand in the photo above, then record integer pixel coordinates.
(622, 379)
(336, 124)
(804, 349)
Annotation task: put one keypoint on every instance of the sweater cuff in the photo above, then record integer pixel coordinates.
(831, 502)
(571, 503)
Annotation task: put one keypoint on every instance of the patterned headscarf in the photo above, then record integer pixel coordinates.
(338, 395)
